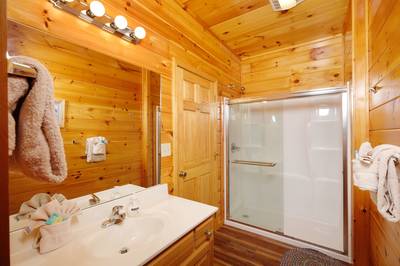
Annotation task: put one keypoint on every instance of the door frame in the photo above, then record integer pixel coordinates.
(345, 92)
(4, 222)
(176, 64)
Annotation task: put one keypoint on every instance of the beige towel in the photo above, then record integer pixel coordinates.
(365, 169)
(39, 145)
(18, 87)
(38, 200)
(66, 210)
(51, 237)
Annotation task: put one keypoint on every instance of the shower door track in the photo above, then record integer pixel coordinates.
(288, 95)
(346, 255)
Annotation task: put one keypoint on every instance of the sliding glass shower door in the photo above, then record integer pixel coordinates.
(286, 171)
(256, 155)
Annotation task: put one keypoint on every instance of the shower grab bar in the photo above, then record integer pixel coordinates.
(266, 164)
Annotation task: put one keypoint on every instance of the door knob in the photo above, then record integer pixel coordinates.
(182, 174)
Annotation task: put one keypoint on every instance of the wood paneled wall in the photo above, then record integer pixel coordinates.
(151, 100)
(167, 169)
(172, 34)
(384, 112)
(317, 64)
(103, 98)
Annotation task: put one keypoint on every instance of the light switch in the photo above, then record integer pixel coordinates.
(165, 149)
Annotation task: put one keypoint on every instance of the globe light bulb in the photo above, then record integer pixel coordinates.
(140, 33)
(120, 22)
(97, 9)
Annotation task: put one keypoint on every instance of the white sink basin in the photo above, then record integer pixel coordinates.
(134, 234)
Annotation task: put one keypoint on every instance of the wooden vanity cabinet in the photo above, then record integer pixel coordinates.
(195, 248)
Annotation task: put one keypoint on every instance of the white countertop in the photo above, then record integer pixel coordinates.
(162, 220)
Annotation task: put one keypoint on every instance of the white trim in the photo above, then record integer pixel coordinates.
(349, 172)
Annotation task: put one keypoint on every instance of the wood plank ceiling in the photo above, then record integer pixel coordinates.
(251, 27)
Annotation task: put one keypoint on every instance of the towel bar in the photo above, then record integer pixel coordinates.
(18, 69)
(255, 163)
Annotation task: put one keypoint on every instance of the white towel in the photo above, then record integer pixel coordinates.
(365, 149)
(365, 176)
(388, 195)
(96, 149)
(365, 167)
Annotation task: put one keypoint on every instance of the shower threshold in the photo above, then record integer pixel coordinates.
(279, 236)
(258, 218)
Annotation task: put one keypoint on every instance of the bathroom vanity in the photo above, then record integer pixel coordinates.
(166, 230)
(195, 248)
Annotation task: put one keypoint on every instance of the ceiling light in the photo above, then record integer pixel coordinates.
(287, 4)
(119, 22)
(96, 9)
(140, 33)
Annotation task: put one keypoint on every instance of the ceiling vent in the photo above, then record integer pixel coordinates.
(280, 5)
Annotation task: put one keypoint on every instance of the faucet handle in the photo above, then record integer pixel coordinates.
(116, 210)
(94, 200)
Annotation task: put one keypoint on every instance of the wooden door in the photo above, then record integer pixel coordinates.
(196, 141)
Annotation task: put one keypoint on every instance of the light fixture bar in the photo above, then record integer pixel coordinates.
(103, 21)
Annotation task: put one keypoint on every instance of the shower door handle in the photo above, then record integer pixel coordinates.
(255, 163)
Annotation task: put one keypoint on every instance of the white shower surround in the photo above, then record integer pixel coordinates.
(304, 191)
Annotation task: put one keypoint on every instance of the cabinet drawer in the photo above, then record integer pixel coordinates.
(176, 254)
(205, 261)
(199, 255)
(204, 232)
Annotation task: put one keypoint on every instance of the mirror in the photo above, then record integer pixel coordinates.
(96, 96)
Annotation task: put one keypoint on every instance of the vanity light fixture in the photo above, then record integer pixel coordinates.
(96, 9)
(119, 22)
(139, 33)
(95, 13)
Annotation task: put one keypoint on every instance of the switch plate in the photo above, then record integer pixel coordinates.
(165, 149)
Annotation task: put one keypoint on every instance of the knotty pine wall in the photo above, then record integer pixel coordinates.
(384, 113)
(172, 34)
(103, 97)
(317, 64)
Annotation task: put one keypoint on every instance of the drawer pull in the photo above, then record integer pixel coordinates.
(208, 234)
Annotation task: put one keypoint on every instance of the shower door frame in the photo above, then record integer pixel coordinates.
(346, 255)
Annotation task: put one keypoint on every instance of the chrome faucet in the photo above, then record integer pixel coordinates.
(117, 216)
